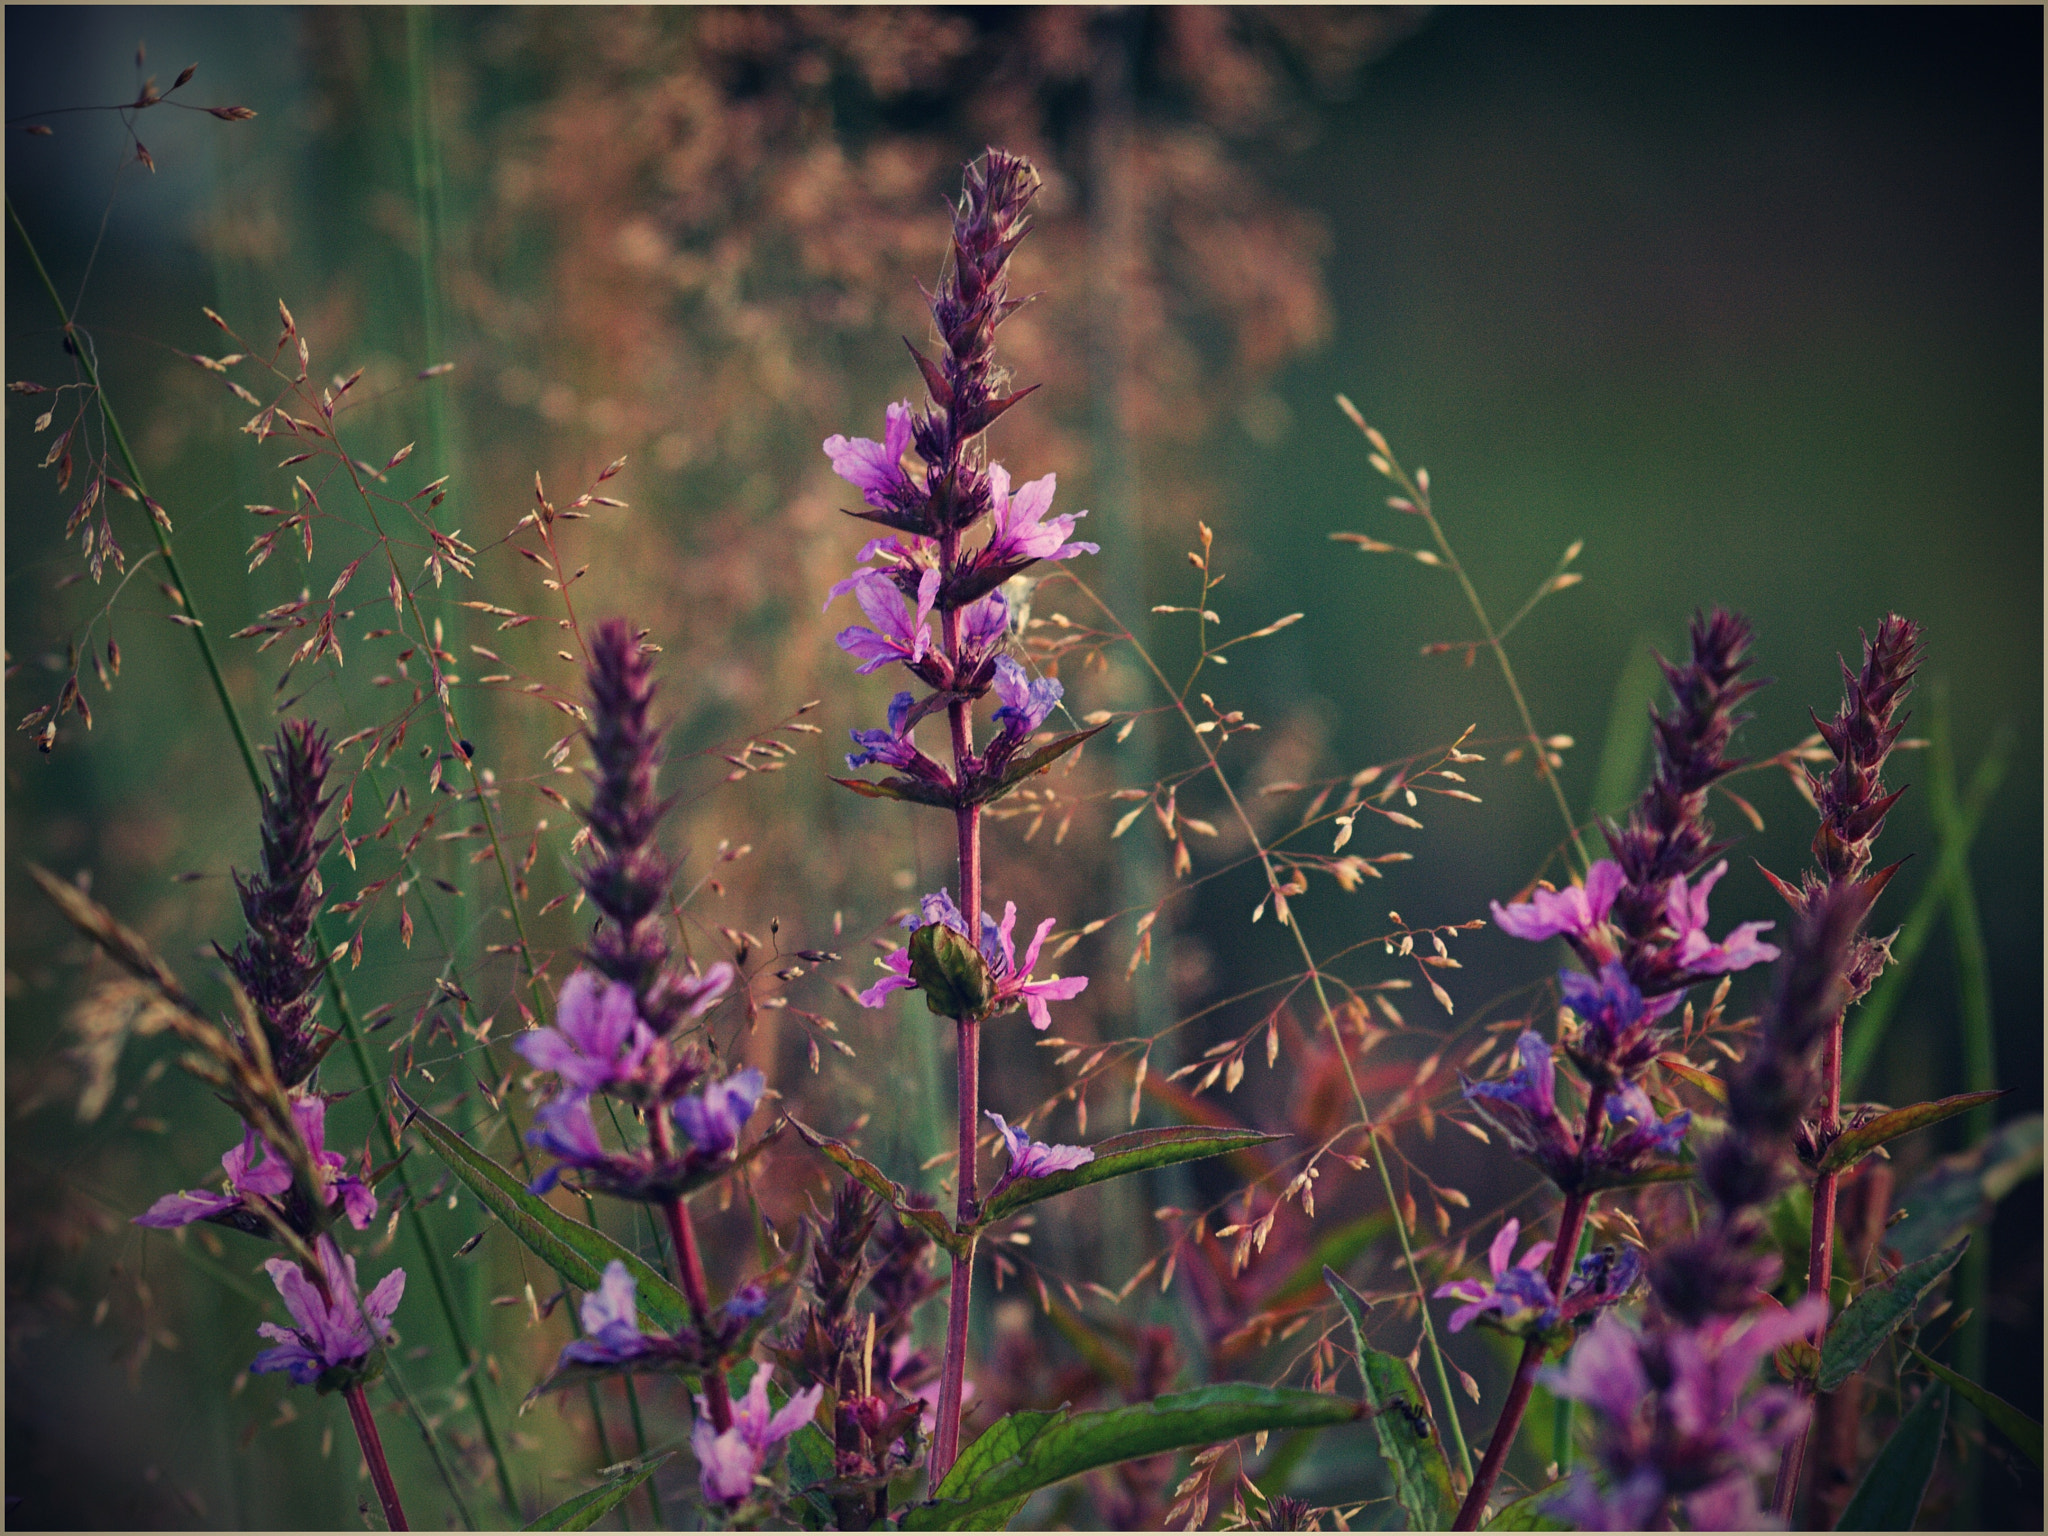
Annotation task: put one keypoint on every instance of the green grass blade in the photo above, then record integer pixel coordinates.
(1889, 1499)
(587, 1508)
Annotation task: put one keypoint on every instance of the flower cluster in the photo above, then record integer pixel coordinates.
(1519, 1299)
(335, 1337)
(1011, 983)
(261, 1193)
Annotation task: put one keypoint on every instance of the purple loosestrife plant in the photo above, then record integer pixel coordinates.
(1639, 923)
(925, 575)
(270, 1182)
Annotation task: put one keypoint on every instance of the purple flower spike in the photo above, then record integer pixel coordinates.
(1035, 1159)
(1574, 912)
(729, 1463)
(270, 1179)
(332, 1334)
(900, 633)
(712, 1119)
(1617, 1040)
(599, 1039)
(1026, 700)
(1694, 951)
(876, 469)
(1020, 533)
(1519, 1300)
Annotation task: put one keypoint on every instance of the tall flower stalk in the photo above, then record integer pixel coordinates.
(1853, 803)
(1639, 923)
(965, 963)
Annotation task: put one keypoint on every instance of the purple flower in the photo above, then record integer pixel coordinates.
(1523, 1108)
(1026, 700)
(1574, 911)
(1678, 1415)
(1019, 533)
(1035, 1159)
(599, 1039)
(1628, 1105)
(333, 1333)
(1519, 1300)
(893, 748)
(611, 1325)
(730, 1462)
(1013, 983)
(1693, 951)
(270, 1179)
(1616, 1040)
(900, 633)
(563, 1128)
(983, 623)
(876, 469)
(712, 1119)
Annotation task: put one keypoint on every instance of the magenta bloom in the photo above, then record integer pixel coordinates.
(332, 1333)
(1573, 912)
(1019, 533)
(729, 1463)
(894, 748)
(599, 1038)
(1013, 984)
(1678, 1417)
(899, 633)
(1519, 1298)
(1694, 951)
(270, 1179)
(1035, 1159)
(876, 469)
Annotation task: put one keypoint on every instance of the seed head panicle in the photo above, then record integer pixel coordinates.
(277, 963)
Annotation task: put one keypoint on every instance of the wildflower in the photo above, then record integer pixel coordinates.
(611, 1325)
(1523, 1108)
(728, 1463)
(1677, 1416)
(599, 1038)
(1026, 700)
(333, 1335)
(1693, 951)
(270, 1180)
(1576, 912)
(1019, 533)
(1519, 1300)
(710, 1123)
(1011, 981)
(712, 1120)
(1615, 1040)
(1628, 1105)
(278, 964)
(901, 633)
(1035, 1159)
(876, 469)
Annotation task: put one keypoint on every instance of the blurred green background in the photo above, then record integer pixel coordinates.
(1748, 300)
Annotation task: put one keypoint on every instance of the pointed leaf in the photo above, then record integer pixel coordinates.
(1889, 1499)
(2016, 1426)
(591, 1506)
(899, 789)
(1021, 768)
(1869, 1320)
(1132, 1152)
(921, 1216)
(1528, 1513)
(1073, 1444)
(1853, 1145)
(1407, 1434)
(995, 1445)
(1959, 1191)
(576, 1252)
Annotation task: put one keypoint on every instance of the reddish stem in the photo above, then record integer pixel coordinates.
(1820, 1258)
(690, 1272)
(373, 1453)
(1571, 1223)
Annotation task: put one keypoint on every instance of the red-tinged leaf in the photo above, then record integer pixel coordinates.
(1684, 1070)
(851, 1162)
(934, 380)
(1132, 1152)
(898, 789)
(1852, 1146)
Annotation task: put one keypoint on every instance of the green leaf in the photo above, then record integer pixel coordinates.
(1852, 1146)
(592, 1505)
(1408, 1440)
(1132, 1152)
(1889, 1498)
(953, 975)
(1958, 1192)
(1022, 768)
(995, 1445)
(2016, 1426)
(920, 1216)
(1869, 1320)
(576, 1252)
(1528, 1514)
(1067, 1446)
